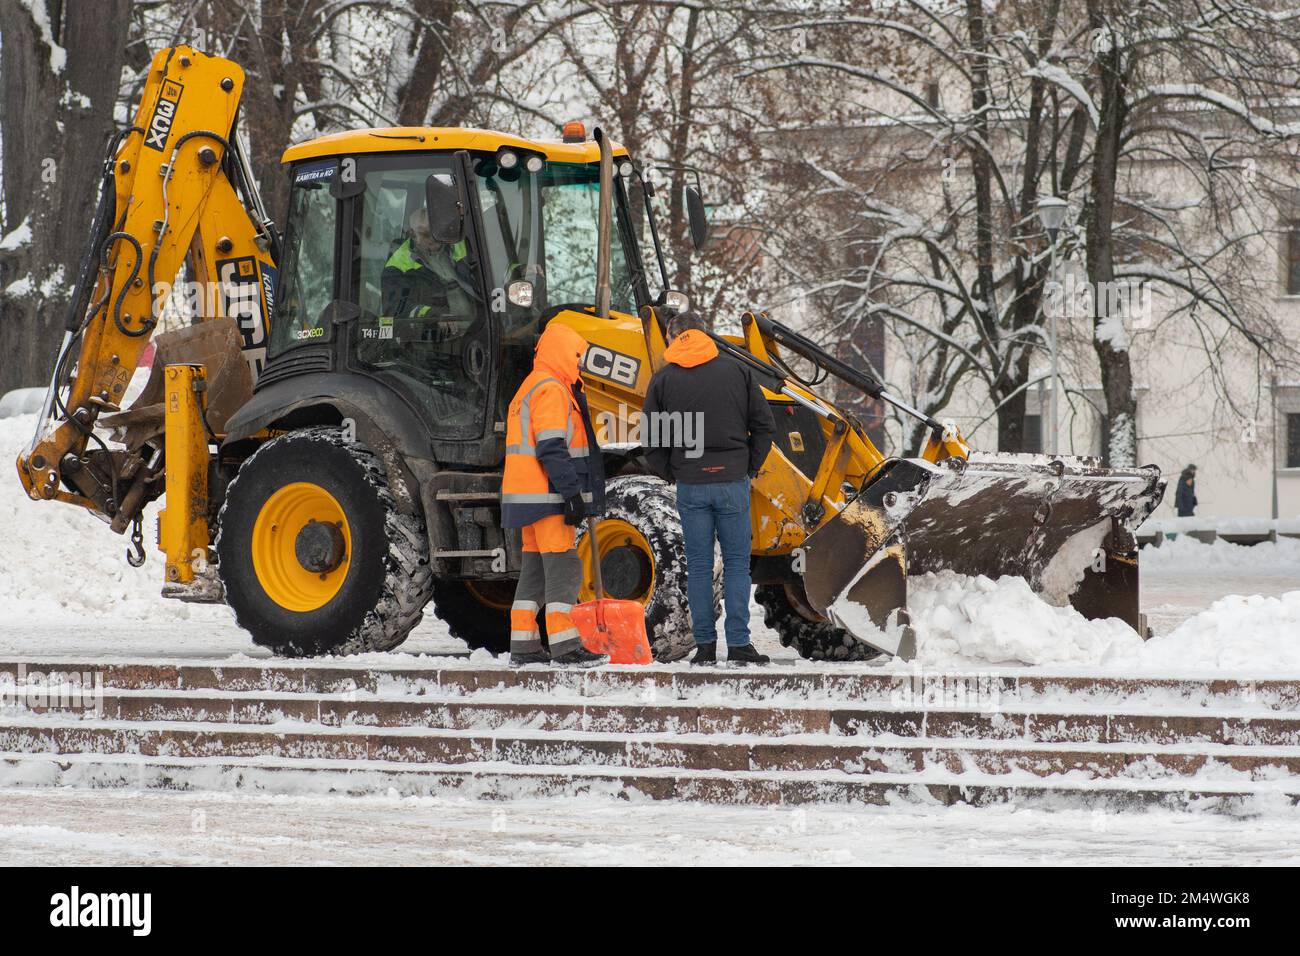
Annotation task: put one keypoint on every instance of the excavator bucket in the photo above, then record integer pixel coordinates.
(1064, 524)
(214, 344)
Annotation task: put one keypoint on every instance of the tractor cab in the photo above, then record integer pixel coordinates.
(427, 261)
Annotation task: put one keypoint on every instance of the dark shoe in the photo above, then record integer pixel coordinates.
(580, 657)
(705, 654)
(745, 654)
(529, 657)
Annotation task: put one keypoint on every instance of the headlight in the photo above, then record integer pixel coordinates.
(534, 164)
(507, 160)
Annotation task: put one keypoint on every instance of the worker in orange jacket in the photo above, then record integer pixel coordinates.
(553, 479)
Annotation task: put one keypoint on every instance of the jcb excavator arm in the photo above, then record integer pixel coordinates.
(176, 191)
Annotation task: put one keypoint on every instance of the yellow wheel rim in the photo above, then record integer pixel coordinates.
(498, 595)
(614, 534)
(275, 557)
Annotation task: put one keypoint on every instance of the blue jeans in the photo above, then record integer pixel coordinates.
(718, 509)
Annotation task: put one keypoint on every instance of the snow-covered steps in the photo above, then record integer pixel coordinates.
(808, 681)
(492, 712)
(498, 781)
(723, 752)
(780, 734)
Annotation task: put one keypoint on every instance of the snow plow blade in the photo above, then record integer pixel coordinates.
(1065, 524)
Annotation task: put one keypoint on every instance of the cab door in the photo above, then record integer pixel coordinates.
(424, 326)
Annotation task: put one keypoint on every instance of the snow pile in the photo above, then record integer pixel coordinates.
(61, 564)
(1246, 635)
(964, 620)
(1186, 555)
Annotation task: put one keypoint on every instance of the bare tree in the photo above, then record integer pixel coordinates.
(1208, 89)
(59, 69)
(991, 108)
(954, 141)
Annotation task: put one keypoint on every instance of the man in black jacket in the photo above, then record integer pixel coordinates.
(707, 427)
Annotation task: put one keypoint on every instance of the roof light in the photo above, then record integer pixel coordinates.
(507, 160)
(534, 164)
(625, 168)
(574, 132)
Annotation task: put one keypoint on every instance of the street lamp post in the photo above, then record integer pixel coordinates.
(1051, 213)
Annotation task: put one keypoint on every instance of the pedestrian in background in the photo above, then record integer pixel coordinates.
(1185, 496)
(713, 476)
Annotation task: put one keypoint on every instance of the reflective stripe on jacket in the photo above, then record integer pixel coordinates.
(551, 450)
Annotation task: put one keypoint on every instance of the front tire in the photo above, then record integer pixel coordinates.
(314, 555)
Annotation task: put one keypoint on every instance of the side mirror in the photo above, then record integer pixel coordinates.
(676, 302)
(446, 210)
(698, 219)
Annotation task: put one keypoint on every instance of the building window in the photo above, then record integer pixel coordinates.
(1293, 440)
(1293, 258)
(1033, 434)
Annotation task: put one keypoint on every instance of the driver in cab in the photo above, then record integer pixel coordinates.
(427, 278)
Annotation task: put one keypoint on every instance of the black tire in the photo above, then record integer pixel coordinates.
(470, 617)
(799, 627)
(388, 579)
(650, 506)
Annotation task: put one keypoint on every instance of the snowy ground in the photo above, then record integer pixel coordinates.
(109, 827)
(65, 590)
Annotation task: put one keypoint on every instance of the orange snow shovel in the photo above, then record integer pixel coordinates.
(608, 625)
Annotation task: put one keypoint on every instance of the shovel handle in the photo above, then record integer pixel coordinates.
(597, 584)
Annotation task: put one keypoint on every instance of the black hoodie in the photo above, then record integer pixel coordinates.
(712, 391)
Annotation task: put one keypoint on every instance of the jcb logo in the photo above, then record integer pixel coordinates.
(249, 299)
(615, 366)
(164, 114)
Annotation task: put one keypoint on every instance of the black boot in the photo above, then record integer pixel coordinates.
(705, 654)
(745, 654)
(520, 658)
(579, 657)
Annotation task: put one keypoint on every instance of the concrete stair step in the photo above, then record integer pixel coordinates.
(725, 753)
(1048, 724)
(838, 683)
(265, 774)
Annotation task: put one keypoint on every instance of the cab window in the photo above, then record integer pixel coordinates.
(423, 322)
(307, 279)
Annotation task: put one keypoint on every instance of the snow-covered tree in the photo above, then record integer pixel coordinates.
(60, 64)
(1163, 124)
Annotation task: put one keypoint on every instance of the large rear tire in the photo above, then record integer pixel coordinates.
(785, 610)
(314, 555)
(643, 559)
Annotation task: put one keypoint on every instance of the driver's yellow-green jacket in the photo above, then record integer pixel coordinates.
(439, 284)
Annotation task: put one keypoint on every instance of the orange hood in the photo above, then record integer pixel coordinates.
(560, 351)
(691, 348)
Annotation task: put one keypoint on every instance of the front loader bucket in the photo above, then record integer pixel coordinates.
(1066, 525)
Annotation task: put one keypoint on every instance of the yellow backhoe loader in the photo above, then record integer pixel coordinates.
(329, 430)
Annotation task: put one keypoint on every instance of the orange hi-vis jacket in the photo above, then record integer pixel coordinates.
(551, 450)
